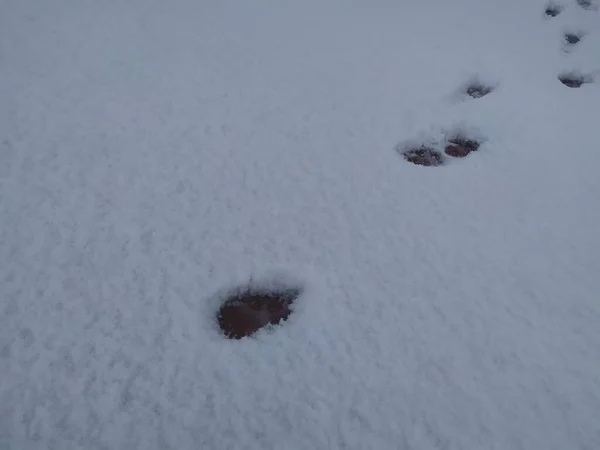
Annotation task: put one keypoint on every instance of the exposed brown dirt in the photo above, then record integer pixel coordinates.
(460, 147)
(246, 312)
(424, 156)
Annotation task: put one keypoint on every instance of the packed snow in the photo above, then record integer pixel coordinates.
(155, 154)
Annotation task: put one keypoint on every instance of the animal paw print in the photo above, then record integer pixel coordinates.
(553, 10)
(575, 79)
(477, 88)
(422, 156)
(587, 4)
(456, 145)
(246, 310)
(572, 79)
(573, 38)
(460, 146)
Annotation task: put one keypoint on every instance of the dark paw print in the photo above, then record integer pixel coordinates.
(246, 311)
(587, 4)
(572, 38)
(553, 10)
(458, 145)
(574, 79)
(477, 89)
(423, 156)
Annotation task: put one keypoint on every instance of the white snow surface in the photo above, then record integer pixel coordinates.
(154, 154)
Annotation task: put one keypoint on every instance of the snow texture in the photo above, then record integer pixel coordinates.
(154, 154)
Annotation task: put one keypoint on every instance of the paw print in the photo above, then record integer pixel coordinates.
(572, 79)
(455, 145)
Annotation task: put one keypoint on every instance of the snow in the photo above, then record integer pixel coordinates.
(154, 154)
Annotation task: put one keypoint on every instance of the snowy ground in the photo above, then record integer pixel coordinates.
(154, 153)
